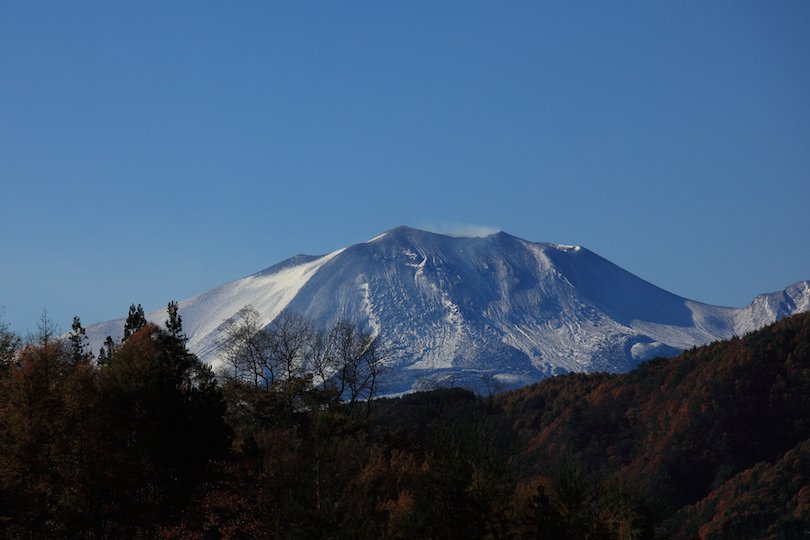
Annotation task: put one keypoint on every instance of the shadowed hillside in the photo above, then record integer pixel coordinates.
(710, 444)
(687, 429)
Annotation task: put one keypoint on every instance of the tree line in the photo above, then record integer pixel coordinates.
(288, 442)
(101, 449)
(111, 445)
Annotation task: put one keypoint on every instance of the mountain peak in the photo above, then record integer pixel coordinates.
(399, 231)
(451, 231)
(453, 308)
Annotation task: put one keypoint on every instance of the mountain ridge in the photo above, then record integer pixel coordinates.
(455, 309)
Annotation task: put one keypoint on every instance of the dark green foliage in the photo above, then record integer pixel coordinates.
(174, 324)
(457, 494)
(106, 351)
(136, 319)
(105, 452)
(163, 422)
(78, 342)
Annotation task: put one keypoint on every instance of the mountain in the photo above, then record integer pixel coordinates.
(460, 311)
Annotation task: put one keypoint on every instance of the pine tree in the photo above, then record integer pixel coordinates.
(78, 342)
(175, 323)
(104, 356)
(165, 424)
(135, 321)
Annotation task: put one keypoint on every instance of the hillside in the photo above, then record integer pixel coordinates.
(710, 444)
(713, 441)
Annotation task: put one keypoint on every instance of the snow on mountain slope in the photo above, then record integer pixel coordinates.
(458, 309)
(268, 291)
(773, 306)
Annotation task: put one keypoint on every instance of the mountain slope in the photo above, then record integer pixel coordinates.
(453, 309)
(714, 441)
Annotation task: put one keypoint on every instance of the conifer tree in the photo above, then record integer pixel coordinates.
(165, 422)
(104, 356)
(174, 324)
(78, 342)
(46, 330)
(135, 321)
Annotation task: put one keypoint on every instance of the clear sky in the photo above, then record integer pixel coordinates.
(152, 150)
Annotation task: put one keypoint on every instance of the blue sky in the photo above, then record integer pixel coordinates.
(150, 151)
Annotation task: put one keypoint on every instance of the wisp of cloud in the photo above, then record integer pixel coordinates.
(470, 230)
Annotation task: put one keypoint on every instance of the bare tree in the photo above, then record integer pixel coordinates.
(374, 360)
(321, 360)
(246, 349)
(359, 360)
(289, 355)
(290, 337)
(46, 330)
(490, 384)
(9, 345)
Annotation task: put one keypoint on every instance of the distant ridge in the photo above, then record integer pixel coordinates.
(458, 310)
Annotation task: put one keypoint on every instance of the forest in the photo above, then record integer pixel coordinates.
(289, 440)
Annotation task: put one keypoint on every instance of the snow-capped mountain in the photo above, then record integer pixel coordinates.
(462, 310)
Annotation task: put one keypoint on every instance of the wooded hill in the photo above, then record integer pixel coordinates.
(712, 444)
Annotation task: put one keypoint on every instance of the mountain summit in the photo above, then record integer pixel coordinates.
(458, 310)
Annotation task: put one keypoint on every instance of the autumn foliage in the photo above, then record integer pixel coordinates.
(712, 444)
(678, 432)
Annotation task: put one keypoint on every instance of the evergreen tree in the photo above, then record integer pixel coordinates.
(175, 323)
(136, 319)
(164, 422)
(78, 342)
(104, 356)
